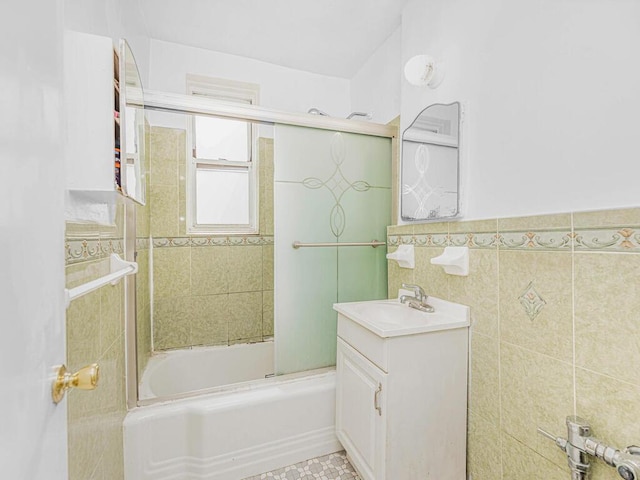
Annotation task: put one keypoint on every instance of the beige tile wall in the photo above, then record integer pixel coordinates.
(579, 355)
(95, 333)
(217, 294)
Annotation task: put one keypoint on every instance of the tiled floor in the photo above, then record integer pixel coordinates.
(334, 466)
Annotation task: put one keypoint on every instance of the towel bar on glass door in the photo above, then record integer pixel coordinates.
(119, 268)
(373, 243)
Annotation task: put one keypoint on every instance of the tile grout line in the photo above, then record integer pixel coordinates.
(609, 377)
(535, 352)
(500, 419)
(573, 316)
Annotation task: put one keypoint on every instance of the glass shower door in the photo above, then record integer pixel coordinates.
(330, 187)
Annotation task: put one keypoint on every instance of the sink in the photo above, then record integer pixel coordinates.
(390, 318)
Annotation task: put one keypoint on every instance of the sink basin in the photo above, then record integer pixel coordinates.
(390, 318)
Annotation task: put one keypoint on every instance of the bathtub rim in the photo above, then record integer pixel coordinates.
(157, 358)
(235, 387)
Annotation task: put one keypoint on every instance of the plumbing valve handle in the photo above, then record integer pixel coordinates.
(559, 441)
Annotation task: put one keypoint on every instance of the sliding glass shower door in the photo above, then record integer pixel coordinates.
(330, 187)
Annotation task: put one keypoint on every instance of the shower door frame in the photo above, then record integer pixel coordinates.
(197, 105)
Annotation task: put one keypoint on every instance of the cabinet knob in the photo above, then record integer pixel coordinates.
(84, 379)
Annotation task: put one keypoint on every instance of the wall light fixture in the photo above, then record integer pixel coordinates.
(423, 70)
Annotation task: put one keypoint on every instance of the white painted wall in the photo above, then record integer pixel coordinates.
(281, 88)
(112, 18)
(551, 90)
(33, 431)
(375, 88)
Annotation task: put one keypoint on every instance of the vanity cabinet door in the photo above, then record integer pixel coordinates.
(361, 411)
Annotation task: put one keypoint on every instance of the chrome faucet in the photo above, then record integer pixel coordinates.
(418, 300)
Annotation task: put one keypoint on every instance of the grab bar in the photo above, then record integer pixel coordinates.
(119, 268)
(373, 243)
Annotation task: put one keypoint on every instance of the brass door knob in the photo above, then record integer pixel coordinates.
(84, 379)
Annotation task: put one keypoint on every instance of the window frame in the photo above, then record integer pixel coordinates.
(225, 91)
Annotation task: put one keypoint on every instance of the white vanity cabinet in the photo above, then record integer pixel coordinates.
(360, 420)
(401, 395)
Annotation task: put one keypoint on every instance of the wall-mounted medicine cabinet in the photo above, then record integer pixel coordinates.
(105, 126)
(431, 165)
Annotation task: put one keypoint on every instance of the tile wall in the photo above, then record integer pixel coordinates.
(95, 333)
(214, 290)
(555, 305)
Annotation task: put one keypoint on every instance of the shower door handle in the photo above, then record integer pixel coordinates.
(376, 399)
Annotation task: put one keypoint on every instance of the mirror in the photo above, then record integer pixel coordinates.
(431, 164)
(132, 127)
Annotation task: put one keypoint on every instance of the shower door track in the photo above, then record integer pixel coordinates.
(197, 105)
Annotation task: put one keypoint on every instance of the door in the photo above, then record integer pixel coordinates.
(340, 185)
(33, 436)
(361, 411)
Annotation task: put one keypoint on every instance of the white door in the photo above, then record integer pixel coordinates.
(33, 436)
(361, 411)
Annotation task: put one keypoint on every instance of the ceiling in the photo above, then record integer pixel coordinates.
(329, 37)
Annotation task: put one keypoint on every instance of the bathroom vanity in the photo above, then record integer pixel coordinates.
(401, 394)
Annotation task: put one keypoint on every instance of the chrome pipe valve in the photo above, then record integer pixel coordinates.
(579, 445)
(577, 458)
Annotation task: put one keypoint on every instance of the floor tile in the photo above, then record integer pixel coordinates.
(334, 466)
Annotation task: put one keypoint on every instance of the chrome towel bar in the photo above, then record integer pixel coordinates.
(373, 243)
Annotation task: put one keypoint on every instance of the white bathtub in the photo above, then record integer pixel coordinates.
(180, 371)
(233, 433)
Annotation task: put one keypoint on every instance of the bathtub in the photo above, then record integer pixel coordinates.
(178, 372)
(229, 432)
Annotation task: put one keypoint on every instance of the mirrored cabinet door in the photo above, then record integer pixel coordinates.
(132, 130)
(430, 182)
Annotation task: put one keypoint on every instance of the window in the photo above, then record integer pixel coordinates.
(222, 185)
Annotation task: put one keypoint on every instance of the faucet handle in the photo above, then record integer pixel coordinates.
(418, 291)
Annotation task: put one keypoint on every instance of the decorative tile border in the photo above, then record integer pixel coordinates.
(428, 240)
(618, 240)
(143, 243)
(544, 240)
(474, 240)
(86, 249)
(622, 239)
(164, 242)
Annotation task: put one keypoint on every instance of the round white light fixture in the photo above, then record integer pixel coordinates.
(423, 70)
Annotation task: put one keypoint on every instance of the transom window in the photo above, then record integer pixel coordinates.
(222, 195)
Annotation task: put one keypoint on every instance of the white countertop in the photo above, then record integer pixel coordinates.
(390, 318)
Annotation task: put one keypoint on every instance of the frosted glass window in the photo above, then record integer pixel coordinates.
(222, 139)
(222, 196)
